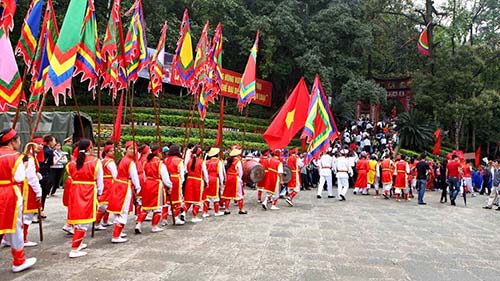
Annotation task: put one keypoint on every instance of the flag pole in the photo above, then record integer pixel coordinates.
(190, 121)
(78, 110)
(245, 126)
(130, 90)
(220, 129)
(98, 121)
(157, 118)
(18, 109)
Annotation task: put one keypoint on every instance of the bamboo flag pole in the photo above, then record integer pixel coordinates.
(18, 109)
(189, 125)
(157, 118)
(131, 112)
(220, 129)
(98, 121)
(78, 110)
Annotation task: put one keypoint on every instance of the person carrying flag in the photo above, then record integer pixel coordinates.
(274, 181)
(176, 170)
(233, 190)
(401, 171)
(215, 171)
(110, 173)
(197, 177)
(294, 183)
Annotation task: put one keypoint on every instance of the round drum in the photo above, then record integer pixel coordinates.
(287, 174)
(253, 171)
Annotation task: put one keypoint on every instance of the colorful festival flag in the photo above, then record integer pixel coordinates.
(7, 11)
(247, 84)
(135, 42)
(156, 66)
(11, 86)
(201, 61)
(46, 46)
(290, 119)
(423, 43)
(62, 62)
(26, 46)
(113, 52)
(215, 65)
(183, 61)
(88, 58)
(320, 128)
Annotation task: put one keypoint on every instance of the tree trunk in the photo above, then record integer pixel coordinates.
(473, 135)
(458, 127)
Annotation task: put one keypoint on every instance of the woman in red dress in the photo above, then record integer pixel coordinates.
(197, 176)
(153, 191)
(86, 184)
(176, 170)
(233, 189)
(120, 199)
(109, 175)
(215, 170)
(12, 174)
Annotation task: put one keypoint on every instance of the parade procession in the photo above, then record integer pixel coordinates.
(117, 149)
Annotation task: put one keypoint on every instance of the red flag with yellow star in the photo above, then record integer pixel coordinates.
(291, 118)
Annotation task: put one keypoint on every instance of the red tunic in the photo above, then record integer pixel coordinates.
(401, 178)
(362, 166)
(264, 161)
(82, 203)
(153, 188)
(387, 170)
(122, 188)
(29, 196)
(467, 171)
(273, 179)
(233, 181)
(292, 163)
(212, 190)
(174, 164)
(67, 188)
(9, 190)
(108, 181)
(194, 183)
(139, 164)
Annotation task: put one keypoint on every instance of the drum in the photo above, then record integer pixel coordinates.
(253, 171)
(287, 174)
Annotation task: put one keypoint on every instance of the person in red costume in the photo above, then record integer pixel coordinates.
(215, 170)
(197, 177)
(120, 201)
(264, 161)
(176, 169)
(12, 174)
(362, 166)
(294, 183)
(274, 181)
(233, 190)
(401, 171)
(109, 175)
(154, 191)
(86, 184)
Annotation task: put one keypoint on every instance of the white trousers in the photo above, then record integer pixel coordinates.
(328, 180)
(16, 239)
(343, 186)
(122, 218)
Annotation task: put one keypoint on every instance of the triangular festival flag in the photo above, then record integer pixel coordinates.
(10, 81)
(183, 61)
(247, 84)
(26, 46)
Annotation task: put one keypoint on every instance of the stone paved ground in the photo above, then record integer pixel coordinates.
(361, 239)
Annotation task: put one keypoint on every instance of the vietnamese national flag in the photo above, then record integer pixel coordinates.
(290, 119)
(478, 156)
(437, 145)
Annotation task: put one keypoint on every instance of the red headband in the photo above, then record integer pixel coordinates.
(107, 148)
(8, 136)
(146, 150)
(37, 140)
(129, 143)
(156, 151)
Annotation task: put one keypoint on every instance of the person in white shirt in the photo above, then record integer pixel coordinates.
(343, 170)
(325, 173)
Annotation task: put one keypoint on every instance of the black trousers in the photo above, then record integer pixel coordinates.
(56, 175)
(45, 184)
(442, 186)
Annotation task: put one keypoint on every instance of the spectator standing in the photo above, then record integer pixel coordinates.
(57, 169)
(422, 171)
(48, 160)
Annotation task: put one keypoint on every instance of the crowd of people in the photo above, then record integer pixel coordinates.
(162, 182)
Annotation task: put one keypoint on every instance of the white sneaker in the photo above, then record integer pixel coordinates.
(106, 224)
(68, 229)
(264, 205)
(164, 222)
(149, 217)
(30, 244)
(123, 235)
(156, 229)
(219, 214)
(77, 254)
(119, 240)
(82, 246)
(178, 221)
(27, 264)
(196, 220)
(274, 207)
(4, 243)
(100, 227)
(138, 229)
(206, 215)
